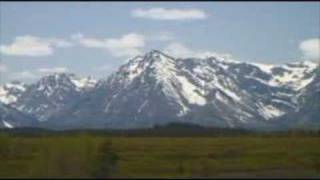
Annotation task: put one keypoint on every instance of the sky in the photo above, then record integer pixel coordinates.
(94, 38)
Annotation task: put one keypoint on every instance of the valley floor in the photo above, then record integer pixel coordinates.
(85, 155)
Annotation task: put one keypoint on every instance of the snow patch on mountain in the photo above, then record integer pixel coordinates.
(303, 83)
(10, 92)
(294, 75)
(84, 83)
(191, 92)
(228, 92)
(269, 111)
(142, 106)
(158, 87)
(219, 96)
(16, 86)
(5, 97)
(264, 67)
(7, 125)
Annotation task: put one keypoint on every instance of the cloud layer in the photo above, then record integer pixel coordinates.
(126, 46)
(53, 70)
(169, 14)
(23, 75)
(181, 51)
(160, 36)
(36, 73)
(3, 68)
(311, 49)
(33, 46)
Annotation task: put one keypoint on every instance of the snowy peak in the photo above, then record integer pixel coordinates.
(294, 75)
(183, 85)
(151, 62)
(156, 88)
(232, 90)
(17, 85)
(64, 82)
(56, 80)
(11, 91)
(85, 83)
(51, 94)
(151, 58)
(156, 55)
(12, 118)
(157, 78)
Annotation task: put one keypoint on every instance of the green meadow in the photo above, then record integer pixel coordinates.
(91, 155)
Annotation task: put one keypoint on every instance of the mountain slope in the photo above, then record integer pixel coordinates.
(308, 114)
(10, 92)
(12, 118)
(51, 94)
(157, 89)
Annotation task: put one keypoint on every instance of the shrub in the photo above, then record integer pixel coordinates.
(106, 161)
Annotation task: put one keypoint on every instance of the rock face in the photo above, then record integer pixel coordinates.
(12, 118)
(157, 89)
(10, 92)
(308, 113)
(49, 95)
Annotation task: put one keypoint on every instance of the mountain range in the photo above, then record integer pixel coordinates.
(155, 89)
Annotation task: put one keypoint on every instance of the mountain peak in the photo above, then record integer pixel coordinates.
(155, 51)
(60, 74)
(57, 77)
(156, 54)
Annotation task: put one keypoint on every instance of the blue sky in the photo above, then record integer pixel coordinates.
(93, 38)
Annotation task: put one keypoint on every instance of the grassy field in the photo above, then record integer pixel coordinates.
(84, 155)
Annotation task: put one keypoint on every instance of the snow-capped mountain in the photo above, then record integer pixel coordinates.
(308, 113)
(277, 87)
(49, 95)
(12, 118)
(10, 92)
(83, 84)
(156, 88)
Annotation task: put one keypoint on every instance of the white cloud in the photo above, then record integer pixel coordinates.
(181, 51)
(3, 68)
(24, 75)
(311, 49)
(169, 14)
(33, 46)
(53, 70)
(161, 36)
(106, 68)
(59, 43)
(126, 46)
(35, 74)
(77, 36)
(178, 50)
